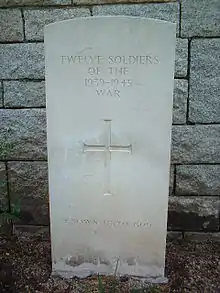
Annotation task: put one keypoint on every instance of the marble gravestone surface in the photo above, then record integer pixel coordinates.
(109, 89)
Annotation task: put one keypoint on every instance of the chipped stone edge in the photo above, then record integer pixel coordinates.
(202, 236)
(112, 2)
(23, 231)
(84, 275)
(174, 235)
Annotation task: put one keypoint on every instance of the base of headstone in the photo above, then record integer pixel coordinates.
(86, 274)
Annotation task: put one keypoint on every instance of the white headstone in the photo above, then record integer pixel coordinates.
(109, 88)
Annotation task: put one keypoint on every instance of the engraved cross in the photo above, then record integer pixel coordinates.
(107, 148)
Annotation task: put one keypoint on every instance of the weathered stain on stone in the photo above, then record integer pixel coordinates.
(104, 261)
(198, 180)
(203, 206)
(75, 261)
(26, 217)
(206, 224)
(131, 261)
(193, 213)
(191, 222)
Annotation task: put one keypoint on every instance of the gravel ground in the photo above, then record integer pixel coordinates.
(25, 266)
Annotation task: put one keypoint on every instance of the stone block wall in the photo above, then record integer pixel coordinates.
(195, 169)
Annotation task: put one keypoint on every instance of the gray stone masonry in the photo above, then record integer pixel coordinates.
(3, 188)
(196, 144)
(11, 25)
(8, 3)
(200, 18)
(180, 101)
(181, 62)
(198, 180)
(193, 213)
(35, 20)
(171, 180)
(28, 183)
(93, 2)
(22, 134)
(163, 11)
(1, 94)
(204, 95)
(24, 94)
(202, 236)
(195, 156)
(24, 60)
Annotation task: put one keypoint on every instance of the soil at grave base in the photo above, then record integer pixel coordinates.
(25, 266)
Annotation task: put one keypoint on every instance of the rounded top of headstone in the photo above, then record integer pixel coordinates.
(111, 18)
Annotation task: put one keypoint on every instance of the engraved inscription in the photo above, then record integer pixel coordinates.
(117, 60)
(107, 148)
(116, 69)
(110, 223)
